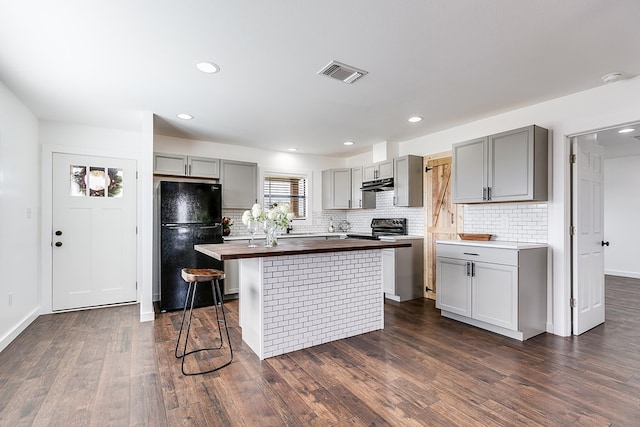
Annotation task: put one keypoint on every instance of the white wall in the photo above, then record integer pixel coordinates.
(19, 217)
(86, 140)
(621, 208)
(602, 107)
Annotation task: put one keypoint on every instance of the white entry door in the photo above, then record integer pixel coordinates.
(587, 244)
(94, 231)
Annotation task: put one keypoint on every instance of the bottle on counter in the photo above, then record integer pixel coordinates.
(331, 227)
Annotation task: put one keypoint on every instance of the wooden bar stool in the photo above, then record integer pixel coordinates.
(193, 276)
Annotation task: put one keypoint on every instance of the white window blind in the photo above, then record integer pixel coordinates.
(287, 189)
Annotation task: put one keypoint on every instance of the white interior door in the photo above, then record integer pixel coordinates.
(94, 231)
(587, 244)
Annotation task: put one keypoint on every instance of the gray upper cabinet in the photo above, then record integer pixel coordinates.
(379, 170)
(407, 181)
(179, 165)
(469, 162)
(506, 167)
(336, 188)
(360, 199)
(239, 184)
(203, 167)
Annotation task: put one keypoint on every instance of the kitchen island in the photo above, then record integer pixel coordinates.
(304, 292)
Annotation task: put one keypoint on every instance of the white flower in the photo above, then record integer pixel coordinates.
(246, 216)
(284, 208)
(290, 216)
(272, 214)
(256, 210)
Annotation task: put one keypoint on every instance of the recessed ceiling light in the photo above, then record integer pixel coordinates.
(626, 130)
(348, 143)
(207, 67)
(292, 149)
(185, 116)
(611, 77)
(415, 119)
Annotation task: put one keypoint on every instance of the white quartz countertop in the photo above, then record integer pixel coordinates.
(494, 244)
(261, 236)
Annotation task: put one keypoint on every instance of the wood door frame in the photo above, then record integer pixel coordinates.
(429, 277)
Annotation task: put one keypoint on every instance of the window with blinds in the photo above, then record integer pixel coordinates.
(287, 189)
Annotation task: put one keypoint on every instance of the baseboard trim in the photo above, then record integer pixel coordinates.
(629, 274)
(17, 329)
(147, 316)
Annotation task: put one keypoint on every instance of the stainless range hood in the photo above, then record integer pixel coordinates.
(378, 185)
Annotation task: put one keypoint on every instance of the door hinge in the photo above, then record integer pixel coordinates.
(572, 158)
(136, 229)
(574, 303)
(136, 285)
(572, 230)
(136, 174)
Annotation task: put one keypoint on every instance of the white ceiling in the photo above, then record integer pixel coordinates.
(454, 61)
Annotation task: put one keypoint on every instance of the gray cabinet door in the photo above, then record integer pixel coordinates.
(360, 199)
(495, 294)
(336, 188)
(469, 164)
(385, 169)
(407, 181)
(511, 165)
(453, 283)
(239, 184)
(518, 165)
(169, 164)
(379, 170)
(369, 172)
(203, 167)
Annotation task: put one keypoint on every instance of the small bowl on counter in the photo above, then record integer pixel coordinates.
(474, 236)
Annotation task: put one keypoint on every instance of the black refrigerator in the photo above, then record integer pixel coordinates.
(190, 214)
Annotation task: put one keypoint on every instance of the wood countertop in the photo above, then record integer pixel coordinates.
(225, 251)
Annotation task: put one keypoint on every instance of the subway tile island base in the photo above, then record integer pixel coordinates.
(293, 297)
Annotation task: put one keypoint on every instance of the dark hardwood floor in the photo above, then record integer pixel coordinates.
(104, 368)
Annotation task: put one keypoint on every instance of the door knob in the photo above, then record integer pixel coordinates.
(58, 233)
(605, 243)
(58, 244)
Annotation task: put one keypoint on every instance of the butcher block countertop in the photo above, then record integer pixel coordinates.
(225, 251)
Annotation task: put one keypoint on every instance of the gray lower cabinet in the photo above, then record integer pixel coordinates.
(179, 165)
(239, 184)
(407, 181)
(403, 271)
(506, 167)
(500, 289)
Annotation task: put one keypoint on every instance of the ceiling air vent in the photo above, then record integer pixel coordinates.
(339, 71)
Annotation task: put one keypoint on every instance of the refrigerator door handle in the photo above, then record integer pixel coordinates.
(174, 226)
(210, 226)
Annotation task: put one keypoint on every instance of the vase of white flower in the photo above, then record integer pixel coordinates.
(278, 216)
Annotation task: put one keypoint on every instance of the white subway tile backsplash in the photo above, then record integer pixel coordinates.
(516, 222)
(360, 219)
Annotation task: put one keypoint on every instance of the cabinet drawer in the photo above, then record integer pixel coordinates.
(478, 253)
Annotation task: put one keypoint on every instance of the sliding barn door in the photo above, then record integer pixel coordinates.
(443, 219)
